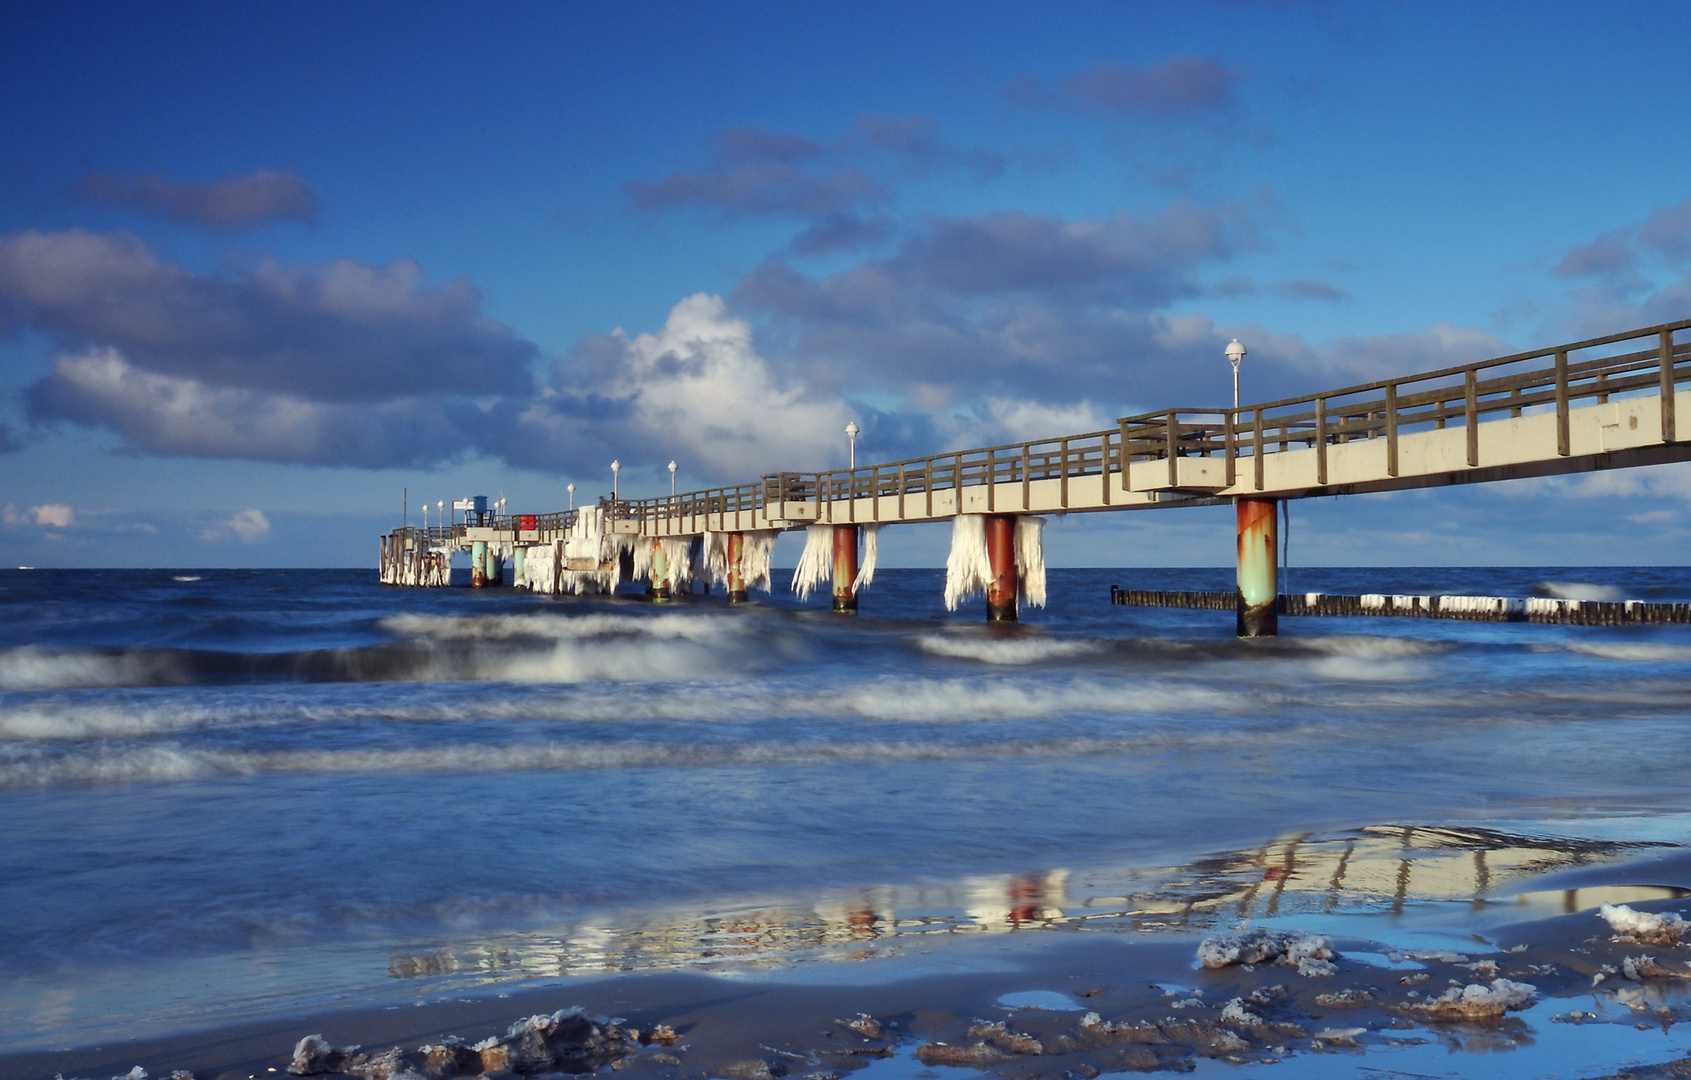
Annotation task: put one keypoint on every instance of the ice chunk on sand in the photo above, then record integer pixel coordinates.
(1644, 927)
(1237, 1015)
(1475, 1001)
(314, 1055)
(1309, 953)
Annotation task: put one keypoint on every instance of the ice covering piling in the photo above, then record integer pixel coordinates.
(816, 562)
(968, 566)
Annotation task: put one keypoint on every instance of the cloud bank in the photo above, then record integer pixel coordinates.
(231, 204)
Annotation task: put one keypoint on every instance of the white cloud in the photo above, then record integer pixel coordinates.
(699, 391)
(53, 515)
(1023, 421)
(1672, 481)
(250, 525)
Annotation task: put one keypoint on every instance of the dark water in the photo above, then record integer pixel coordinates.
(230, 792)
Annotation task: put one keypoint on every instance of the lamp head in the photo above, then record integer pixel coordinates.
(616, 465)
(1235, 352)
(672, 466)
(852, 429)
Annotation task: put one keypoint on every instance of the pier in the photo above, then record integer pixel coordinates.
(1603, 403)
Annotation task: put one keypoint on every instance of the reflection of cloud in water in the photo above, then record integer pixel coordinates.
(1365, 871)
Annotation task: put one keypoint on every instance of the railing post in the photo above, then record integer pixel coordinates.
(1173, 440)
(1258, 462)
(1228, 438)
(1471, 415)
(1126, 462)
(1391, 429)
(1562, 446)
(1063, 476)
(1104, 468)
(957, 484)
(1321, 441)
(1025, 478)
(1669, 434)
(901, 491)
(991, 481)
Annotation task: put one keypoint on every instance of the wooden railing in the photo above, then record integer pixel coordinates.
(1635, 363)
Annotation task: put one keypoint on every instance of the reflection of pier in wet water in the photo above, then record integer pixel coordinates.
(1374, 870)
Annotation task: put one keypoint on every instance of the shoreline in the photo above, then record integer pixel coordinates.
(1153, 1007)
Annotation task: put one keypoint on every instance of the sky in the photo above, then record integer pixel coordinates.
(273, 275)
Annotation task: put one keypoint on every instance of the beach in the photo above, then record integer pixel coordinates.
(250, 807)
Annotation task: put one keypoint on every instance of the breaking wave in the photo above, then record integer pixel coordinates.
(523, 649)
(174, 764)
(1024, 650)
(1578, 590)
(669, 627)
(1642, 651)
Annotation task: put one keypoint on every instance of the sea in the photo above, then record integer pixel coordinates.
(234, 794)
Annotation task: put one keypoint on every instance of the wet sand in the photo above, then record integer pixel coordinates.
(1072, 1003)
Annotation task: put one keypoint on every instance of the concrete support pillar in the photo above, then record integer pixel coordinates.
(1001, 556)
(659, 590)
(736, 579)
(494, 573)
(478, 564)
(1259, 568)
(518, 555)
(845, 569)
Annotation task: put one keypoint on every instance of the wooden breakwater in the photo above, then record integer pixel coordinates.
(1535, 609)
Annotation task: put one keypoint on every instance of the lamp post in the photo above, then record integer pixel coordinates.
(851, 433)
(440, 505)
(672, 478)
(570, 487)
(1235, 353)
(616, 467)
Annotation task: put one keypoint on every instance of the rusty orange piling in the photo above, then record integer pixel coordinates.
(736, 579)
(1259, 577)
(1001, 556)
(845, 569)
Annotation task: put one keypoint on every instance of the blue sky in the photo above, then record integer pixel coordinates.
(264, 266)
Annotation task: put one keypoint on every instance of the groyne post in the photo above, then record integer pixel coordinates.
(1259, 577)
(478, 564)
(736, 579)
(845, 569)
(1001, 557)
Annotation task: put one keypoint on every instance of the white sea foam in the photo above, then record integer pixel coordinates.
(30, 668)
(669, 627)
(967, 699)
(1026, 650)
(63, 720)
(1373, 646)
(1641, 651)
(101, 765)
(171, 764)
(614, 648)
(185, 577)
(1580, 590)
